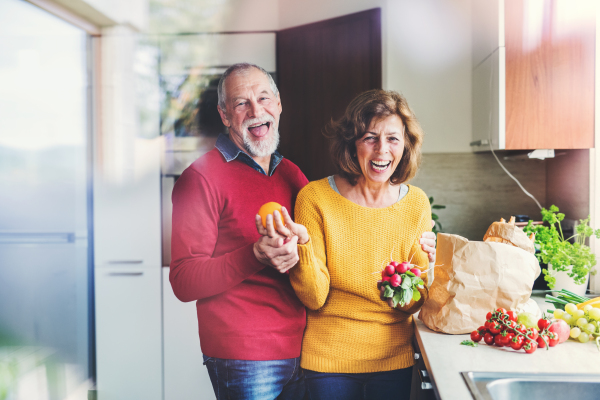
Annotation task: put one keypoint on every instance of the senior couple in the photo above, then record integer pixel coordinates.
(322, 331)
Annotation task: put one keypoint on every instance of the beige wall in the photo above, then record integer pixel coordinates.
(426, 57)
(170, 16)
(476, 191)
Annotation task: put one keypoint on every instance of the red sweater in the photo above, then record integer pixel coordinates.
(246, 311)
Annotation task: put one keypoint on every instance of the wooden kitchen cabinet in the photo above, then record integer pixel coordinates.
(533, 74)
(128, 333)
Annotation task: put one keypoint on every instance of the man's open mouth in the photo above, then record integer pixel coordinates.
(260, 129)
(380, 165)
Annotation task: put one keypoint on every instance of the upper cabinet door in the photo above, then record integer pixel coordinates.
(546, 84)
(550, 63)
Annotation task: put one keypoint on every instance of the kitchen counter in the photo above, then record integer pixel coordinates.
(445, 358)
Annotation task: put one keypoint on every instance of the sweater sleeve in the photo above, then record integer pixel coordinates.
(310, 277)
(421, 260)
(195, 274)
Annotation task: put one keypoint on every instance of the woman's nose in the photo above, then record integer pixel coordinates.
(382, 146)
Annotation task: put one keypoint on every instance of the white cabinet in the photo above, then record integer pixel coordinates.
(128, 333)
(185, 376)
(127, 206)
(126, 163)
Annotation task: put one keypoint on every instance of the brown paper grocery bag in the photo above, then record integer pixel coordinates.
(472, 278)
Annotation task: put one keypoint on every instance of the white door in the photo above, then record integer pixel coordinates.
(128, 333)
(185, 376)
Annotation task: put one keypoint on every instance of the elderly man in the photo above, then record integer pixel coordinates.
(250, 320)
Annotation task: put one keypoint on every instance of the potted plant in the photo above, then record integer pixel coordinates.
(438, 225)
(569, 265)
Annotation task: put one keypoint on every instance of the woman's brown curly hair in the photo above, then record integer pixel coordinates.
(367, 106)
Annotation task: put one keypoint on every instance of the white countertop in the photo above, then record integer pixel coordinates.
(445, 358)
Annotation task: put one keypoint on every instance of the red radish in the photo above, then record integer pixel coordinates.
(395, 280)
(394, 264)
(386, 279)
(561, 328)
(390, 269)
(416, 271)
(403, 267)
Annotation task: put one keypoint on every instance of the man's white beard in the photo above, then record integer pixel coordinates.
(260, 148)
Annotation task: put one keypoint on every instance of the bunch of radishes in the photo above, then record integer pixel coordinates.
(401, 283)
(502, 329)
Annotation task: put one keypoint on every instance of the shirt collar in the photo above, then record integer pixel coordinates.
(230, 152)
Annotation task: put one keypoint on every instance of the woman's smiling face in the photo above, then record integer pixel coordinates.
(380, 149)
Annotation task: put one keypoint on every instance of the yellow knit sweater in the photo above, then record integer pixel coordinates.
(349, 329)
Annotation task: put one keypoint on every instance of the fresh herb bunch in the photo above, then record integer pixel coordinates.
(574, 258)
(438, 226)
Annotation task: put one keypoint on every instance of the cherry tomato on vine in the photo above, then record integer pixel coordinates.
(511, 324)
(495, 328)
(552, 339)
(488, 338)
(498, 340)
(532, 334)
(530, 346)
(512, 315)
(516, 342)
(543, 323)
(521, 328)
(541, 342)
(476, 336)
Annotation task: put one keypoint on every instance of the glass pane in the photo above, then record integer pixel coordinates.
(43, 200)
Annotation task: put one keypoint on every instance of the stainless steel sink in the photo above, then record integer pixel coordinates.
(528, 386)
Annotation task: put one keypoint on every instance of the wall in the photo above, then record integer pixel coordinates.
(476, 191)
(168, 16)
(426, 57)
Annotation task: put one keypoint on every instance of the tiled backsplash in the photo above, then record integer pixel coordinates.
(476, 191)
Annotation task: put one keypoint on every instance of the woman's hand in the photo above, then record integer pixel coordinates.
(427, 242)
(276, 228)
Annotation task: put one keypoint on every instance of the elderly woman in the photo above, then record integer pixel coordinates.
(355, 345)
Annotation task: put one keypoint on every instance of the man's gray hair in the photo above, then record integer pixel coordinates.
(241, 68)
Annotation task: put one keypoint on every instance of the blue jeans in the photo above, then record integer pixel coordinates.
(256, 380)
(385, 385)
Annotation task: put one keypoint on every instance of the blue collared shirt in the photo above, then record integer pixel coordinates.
(230, 151)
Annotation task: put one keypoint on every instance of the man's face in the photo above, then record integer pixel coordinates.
(252, 112)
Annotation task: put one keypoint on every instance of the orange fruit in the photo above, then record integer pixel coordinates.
(267, 209)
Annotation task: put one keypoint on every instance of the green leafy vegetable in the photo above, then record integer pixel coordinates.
(389, 291)
(416, 295)
(576, 259)
(397, 299)
(469, 343)
(438, 226)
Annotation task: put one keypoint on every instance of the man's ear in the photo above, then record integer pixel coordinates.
(223, 117)
(279, 101)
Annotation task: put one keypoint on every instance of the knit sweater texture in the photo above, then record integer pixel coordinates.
(349, 328)
(246, 311)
